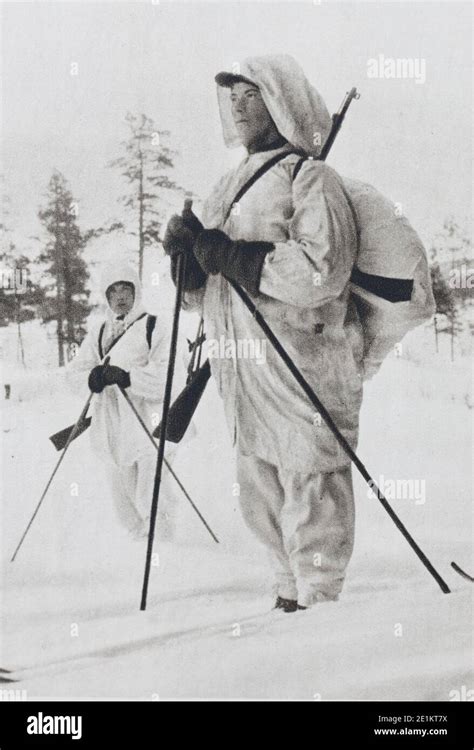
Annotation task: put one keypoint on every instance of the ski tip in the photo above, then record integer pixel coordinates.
(7, 675)
(462, 572)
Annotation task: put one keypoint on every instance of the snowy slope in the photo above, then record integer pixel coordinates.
(71, 625)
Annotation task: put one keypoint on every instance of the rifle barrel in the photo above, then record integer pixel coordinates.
(337, 121)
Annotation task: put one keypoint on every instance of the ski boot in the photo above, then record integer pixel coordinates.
(287, 605)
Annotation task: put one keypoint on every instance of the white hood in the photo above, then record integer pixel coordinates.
(116, 271)
(295, 106)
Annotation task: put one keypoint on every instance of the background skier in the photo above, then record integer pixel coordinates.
(138, 362)
(291, 242)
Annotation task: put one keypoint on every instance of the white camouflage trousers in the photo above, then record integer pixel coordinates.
(132, 490)
(306, 522)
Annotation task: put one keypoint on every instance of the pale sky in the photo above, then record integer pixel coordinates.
(412, 141)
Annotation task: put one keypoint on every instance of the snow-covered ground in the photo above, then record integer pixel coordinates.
(70, 619)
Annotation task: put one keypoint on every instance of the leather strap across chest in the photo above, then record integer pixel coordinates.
(117, 338)
(256, 176)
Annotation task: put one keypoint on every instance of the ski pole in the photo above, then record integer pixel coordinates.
(167, 464)
(68, 443)
(335, 431)
(181, 264)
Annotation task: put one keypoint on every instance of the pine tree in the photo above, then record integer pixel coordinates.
(445, 304)
(453, 247)
(455, 327)
(443, 294)
(66, 296)
(19, 296)
(146, 164)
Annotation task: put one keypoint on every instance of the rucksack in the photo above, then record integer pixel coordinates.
(390, 282)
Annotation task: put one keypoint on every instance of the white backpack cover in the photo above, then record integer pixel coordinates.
(391, 283)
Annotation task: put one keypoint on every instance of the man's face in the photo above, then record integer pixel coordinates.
(251, 116)
(121, 297)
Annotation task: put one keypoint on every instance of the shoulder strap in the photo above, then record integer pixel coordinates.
(150, 327)
(256, 176)
(298, 166)
(101, 336)
(112, 344)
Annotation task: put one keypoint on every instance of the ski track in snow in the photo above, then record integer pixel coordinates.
(70, 620)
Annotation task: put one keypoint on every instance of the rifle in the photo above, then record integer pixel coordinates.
(337, 120)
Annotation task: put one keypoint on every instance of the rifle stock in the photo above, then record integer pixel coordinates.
(182, 410)
(59, 439)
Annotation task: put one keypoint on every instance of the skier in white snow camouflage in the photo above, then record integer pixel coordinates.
(138, 362)
(291, 242)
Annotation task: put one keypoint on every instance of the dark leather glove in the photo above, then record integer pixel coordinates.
(116, 376)
(103, 375)
(190, 219)
(240, 260)
(180, 236)
(96, 379)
